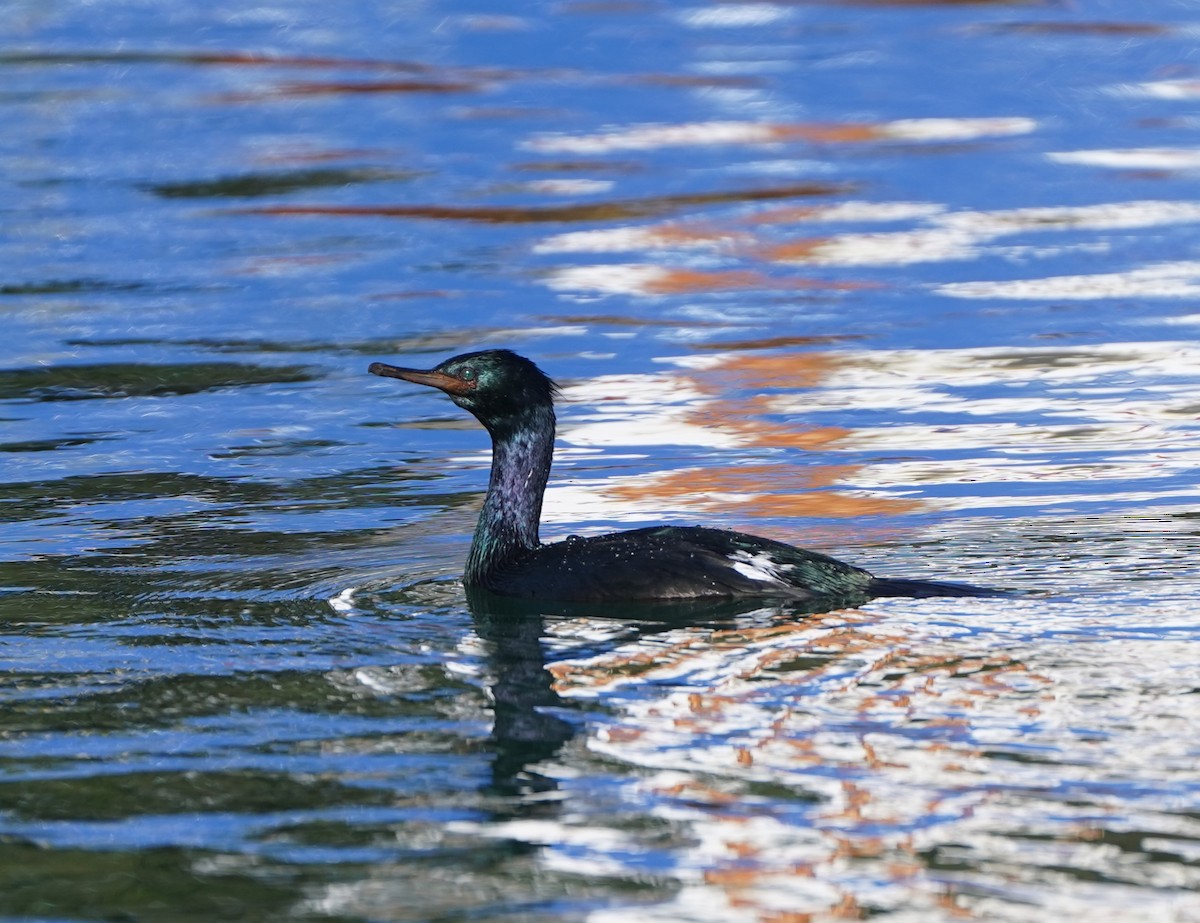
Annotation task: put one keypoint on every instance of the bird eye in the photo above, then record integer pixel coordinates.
(467, 374)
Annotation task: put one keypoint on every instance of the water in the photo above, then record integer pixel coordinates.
(911, 284)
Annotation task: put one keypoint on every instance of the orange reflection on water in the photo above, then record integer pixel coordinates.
(830, 133)
(676, 281)
(682, 234)
(796, 251)
(762, 490)
(757, 370)
(519, 214)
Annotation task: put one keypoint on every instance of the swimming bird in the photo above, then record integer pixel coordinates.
(514, 400)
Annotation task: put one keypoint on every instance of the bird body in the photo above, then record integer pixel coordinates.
(514, 400)
(674, 562)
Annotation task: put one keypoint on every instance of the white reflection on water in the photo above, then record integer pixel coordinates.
(940, 236)
(679, 235)
(1162, 89)
(626, 279)
(1102, 425)
(653, 137)
(640, 410)
(1165, 280)
(747, 14)
(936, 759)
(1111, 411)
(1138, 158)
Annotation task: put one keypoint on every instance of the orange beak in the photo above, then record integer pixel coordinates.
(440, 380)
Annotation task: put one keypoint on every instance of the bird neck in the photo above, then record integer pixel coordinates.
(522, 449)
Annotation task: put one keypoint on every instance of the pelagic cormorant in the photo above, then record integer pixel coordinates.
(514, 400)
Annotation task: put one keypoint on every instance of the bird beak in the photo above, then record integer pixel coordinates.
(439, 380)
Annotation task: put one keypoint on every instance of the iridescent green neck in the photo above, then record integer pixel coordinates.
(522, 448)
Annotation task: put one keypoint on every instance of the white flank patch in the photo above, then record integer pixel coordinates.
(759, 566)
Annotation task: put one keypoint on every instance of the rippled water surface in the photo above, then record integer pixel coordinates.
(915, 284)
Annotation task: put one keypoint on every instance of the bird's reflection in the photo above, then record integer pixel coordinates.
(528, 725)
(525, 730)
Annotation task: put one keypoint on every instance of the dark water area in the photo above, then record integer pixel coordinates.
(913, 284)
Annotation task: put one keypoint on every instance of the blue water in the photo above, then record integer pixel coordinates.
(911, 284)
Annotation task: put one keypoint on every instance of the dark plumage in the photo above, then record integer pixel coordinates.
(514, 400)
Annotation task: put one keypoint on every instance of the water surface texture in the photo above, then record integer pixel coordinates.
(915, 284)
